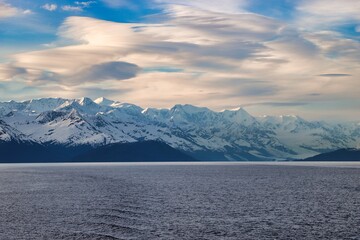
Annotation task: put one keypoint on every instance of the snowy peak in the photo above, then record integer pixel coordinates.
(239, 116)
(83, 105)
(104, 101)
(189, 109)
(43, 104)
(155, 114)
(85, 101)
(189, 116)
(127, 109)
(235, 134)
(128, 106)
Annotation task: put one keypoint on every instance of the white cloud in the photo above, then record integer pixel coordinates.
(85, 4)
(9, 72)
(72, 8)
(50, 7)
(221, 59)
(324, 12)
(230, 6)
(6, 10)
(27, 11)
(79, 6)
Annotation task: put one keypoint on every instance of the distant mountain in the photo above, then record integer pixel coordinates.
(31, 152)
(147, 151)
(197, 131)
(338, 155)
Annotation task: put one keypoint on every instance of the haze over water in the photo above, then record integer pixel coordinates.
(180, 201)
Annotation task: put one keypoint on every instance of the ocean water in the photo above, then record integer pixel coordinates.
(180, 201)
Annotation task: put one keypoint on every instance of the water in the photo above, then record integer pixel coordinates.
(180, 201)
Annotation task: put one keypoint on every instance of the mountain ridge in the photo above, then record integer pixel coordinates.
(146, 151)
(348, 154)
(197, 131)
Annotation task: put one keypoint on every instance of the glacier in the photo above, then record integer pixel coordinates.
(198, 131)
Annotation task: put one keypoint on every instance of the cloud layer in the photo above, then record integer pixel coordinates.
(325, 12)
(6, 10)
(224, 56)
(50, 7)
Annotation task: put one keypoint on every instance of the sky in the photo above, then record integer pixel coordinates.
(271, 57)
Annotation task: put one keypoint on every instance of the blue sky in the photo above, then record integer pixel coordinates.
(274, 57)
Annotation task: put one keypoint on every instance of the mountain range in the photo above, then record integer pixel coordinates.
(349, 155)
(195, 131)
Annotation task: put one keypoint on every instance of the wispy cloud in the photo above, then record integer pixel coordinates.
(78, 7)
(276, 104)
(322, 13)
(230, 6)
(335, 75)
(85, 4)
(27, 11)
(50, 7)
(199, 49)
(72, 8)
(6, 10)
(105, 71)
(8, 72)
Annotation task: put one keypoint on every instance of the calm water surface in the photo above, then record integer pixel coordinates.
(180, 201)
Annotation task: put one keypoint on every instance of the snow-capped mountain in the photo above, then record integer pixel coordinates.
(201, 132)
(7, 133)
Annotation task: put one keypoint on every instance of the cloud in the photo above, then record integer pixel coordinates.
(107, 71)
(255, 90)
(50, 7)
(219, 26)
(334, 75)
(78, 7)
(72, 8)
(96, 92)
(85, 4)
(17, 90)
(335, 46)
(325, 13)
(6, 10)
(195, 52)
(27, 11)
(8, 72)
(230, 6)
(277, 104)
